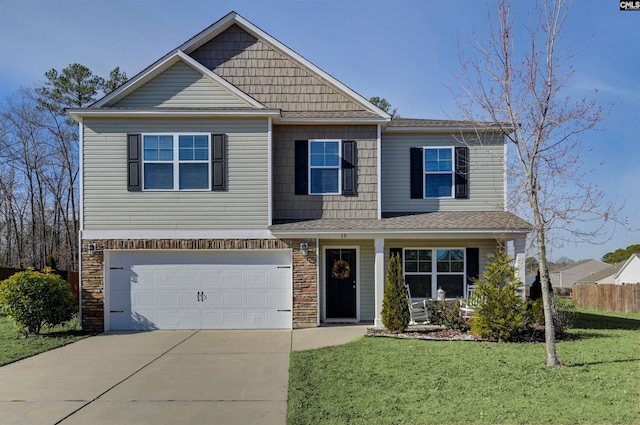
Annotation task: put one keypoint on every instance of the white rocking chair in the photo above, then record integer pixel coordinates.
(469, 305)
(417, 310)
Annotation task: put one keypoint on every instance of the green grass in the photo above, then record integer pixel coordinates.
(376, 380)
(14, 346)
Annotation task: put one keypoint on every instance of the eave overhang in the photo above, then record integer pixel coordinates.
(78, 113)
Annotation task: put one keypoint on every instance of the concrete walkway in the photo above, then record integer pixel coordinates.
(161, 377)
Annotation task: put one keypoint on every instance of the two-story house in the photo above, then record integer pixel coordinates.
(234, 184)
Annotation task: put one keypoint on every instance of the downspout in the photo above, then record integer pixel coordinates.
(270, 172)
(379, 170)
(81, 212)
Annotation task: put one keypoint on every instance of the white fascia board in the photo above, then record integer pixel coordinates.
(233, 17)
(434, 129)
(177, 234)
(79, 113)
(404, 234)
(320, 121)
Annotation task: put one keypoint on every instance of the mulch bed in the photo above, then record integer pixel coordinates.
(443, 334)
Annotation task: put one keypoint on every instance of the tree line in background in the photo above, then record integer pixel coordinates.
(39, 167)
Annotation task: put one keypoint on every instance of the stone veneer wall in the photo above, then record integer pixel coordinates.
(305, 284)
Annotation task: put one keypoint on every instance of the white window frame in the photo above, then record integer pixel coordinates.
(176, 162)
(339, 166)
(451, 173)
(434, 269)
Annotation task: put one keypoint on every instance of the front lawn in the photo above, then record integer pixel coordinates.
(381, 380)
(14, 346)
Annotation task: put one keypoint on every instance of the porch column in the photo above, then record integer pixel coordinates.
(379, 281)
(519, 246)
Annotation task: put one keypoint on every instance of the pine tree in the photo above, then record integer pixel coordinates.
(395, 309)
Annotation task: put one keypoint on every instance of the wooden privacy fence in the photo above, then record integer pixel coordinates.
(620, 298)
(69, 276)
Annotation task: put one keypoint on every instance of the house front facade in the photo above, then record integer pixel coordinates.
(233, 184)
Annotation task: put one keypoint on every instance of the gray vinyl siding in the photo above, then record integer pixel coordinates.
(486, 247)
(486, 174)
(108, 205)
(287, 205)
(366, 282)
(182, 86)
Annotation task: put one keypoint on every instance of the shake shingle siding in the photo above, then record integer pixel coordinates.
(267, 75)
(288, 205)
(181, 86)
(109, 206)
(485, 177)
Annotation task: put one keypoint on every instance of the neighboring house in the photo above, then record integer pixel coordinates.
(234, 184)
(568, 275)
(618, 273)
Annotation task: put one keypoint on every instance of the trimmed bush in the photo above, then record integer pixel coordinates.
(395, 308)
(501, 314)
(447, 314)
(34, 299)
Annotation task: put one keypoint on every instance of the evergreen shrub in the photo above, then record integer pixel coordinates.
(501, 312)
(395, 308)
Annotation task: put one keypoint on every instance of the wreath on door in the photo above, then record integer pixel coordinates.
(340, 270)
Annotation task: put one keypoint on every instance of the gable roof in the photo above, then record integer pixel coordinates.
(163, 66)
(268, 74)
(632, 257)
(600, 275)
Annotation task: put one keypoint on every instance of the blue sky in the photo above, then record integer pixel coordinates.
(401, 50)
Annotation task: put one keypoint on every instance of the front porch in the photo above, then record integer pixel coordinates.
(447, 250)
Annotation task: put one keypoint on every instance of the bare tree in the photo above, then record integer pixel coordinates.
(519, 87)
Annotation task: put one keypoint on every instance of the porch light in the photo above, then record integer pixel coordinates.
(440, 294)
(91, 249)
(304, 248)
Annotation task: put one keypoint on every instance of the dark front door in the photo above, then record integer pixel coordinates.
(341, 275)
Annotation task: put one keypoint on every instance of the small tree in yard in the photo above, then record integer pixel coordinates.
(501, 313)
(395, 309)
(35, 299)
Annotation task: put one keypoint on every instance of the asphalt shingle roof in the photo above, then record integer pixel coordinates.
(494, 221)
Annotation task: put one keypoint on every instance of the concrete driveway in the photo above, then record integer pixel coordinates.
(161, 377)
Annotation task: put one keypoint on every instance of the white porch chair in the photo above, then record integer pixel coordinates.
(469, 305)
(417, 309)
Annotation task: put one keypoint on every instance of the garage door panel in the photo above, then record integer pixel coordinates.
(232, 299)
(256, 299)
(256, 279)
(196, 290)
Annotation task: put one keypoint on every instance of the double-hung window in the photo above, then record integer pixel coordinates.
(427, 270)
(438, 172)
(324, 167)
(176, 162)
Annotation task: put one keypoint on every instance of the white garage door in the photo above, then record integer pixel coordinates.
(199, 290)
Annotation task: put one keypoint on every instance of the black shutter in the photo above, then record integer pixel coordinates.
(417, 174)
(302, 171)
(349, 163)
(473, 264)
(134, 163)
(218, 162)
(394, 251)
(462, 172)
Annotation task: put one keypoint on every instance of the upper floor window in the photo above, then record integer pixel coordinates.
(190, 161)
(176, 162)
(438, 172)
(324, 167)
